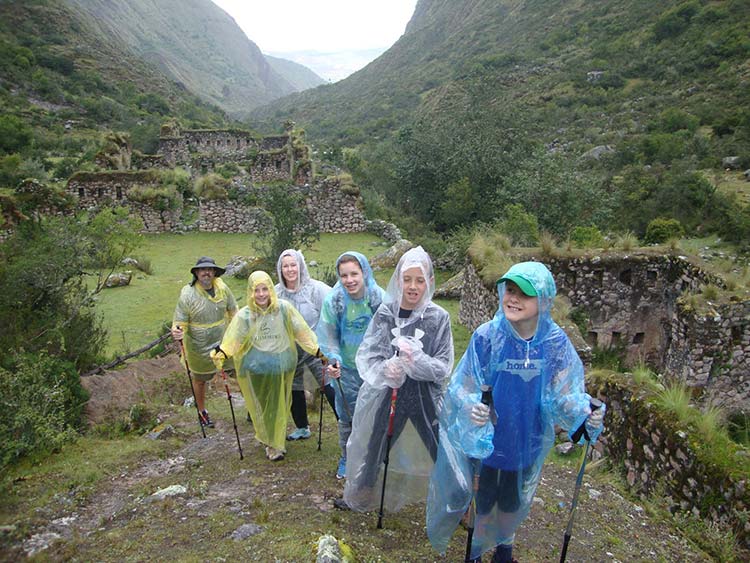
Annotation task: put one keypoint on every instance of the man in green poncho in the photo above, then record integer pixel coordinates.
(204, 309)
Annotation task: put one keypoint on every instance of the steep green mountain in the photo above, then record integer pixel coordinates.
(299, 76)
(479, 94)
(195, 43)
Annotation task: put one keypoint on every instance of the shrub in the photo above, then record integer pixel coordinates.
(163, 199)
(211, 186)
(587, 237)
(662, 229)
(521, 227)
(627, 241)
(40, 407)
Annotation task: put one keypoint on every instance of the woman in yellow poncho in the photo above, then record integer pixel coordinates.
(261, 340)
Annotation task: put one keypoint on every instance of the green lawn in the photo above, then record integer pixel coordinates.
(134, 314)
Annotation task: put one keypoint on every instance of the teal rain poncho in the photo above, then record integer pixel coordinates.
(341, 327)
(535, 384)
(307, 297)
(424, 361)
(203, 319)
(262, 344)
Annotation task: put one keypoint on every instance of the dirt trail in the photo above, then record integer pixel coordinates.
(283, 507)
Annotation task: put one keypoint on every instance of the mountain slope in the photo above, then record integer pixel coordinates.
(196, 43)
(529, 54)
(299, 76)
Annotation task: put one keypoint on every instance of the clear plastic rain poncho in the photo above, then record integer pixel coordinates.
(307, 297)
(203, 319)
(342, 325)
(536, 384)
(262, 344)
(415, 355)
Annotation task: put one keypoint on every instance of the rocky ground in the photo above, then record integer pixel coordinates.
(184, 497)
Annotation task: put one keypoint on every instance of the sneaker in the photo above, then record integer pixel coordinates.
(341, 469)
(206, 420)
(300, 434)
(340, 503)
(273, 454)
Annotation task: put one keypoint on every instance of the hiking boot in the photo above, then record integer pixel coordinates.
(340, 503)
(341, 469)
(206, 420)
(249, 420)
(273, 454)
(300, 434)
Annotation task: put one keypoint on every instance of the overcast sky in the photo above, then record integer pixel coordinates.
(332, 37)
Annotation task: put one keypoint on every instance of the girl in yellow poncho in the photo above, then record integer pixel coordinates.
(261, 340)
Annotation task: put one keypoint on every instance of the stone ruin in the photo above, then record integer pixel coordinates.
(334, 207)
(633, 302)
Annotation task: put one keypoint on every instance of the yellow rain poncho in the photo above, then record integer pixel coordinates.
(262, 345)
(203, 318)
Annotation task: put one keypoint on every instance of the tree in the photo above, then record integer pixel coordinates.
(289, 224)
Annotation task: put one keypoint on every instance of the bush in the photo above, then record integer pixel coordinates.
(587, 237)
(211, 186)
(521, 227)
(661, 230)
(40, 407)
(162, 199)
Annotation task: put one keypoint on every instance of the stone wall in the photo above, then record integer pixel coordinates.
(658, 456)
(385, 230)
(96, 189)
(631, 301)
(225, 216)
(333, 211)
(179, 147)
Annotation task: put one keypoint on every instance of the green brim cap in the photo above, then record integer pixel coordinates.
(521, 282)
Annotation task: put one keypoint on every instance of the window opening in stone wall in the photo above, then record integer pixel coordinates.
(278, 165)
(119, 192)
(570, 279)
(639, 337)
(204, 168)
(599, 274)
(592, 338)
(616, 338)
(626, 276)
(239, 141)
(651, 275)
(100, 192)
(81, 193)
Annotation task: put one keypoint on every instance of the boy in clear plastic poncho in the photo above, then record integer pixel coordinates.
(537, 382)
(261, 339)
(409, 347)
(205, 307)
(307, 295)
(347, 311)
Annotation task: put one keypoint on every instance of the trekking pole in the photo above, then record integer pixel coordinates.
(594, 404)
(231, 408)
(391, 416)
(343, 397)
(322, 393)
(190, 377)
(476, 468)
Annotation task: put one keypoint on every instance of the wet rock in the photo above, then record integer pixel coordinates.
(118, 280)
(39, 542)
(171, 491)
(565, 448)
(161, 433)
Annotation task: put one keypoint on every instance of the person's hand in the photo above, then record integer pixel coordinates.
(218, 357)
(407, 346)
(393, 372)
(594, 421)
(177, 333)
(480, 414)
(334, 371)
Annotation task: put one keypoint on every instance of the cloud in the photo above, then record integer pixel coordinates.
(332, 65)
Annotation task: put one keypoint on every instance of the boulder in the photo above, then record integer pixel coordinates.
(730, 162)
(451, 289)
(390, 257)
(119, 280)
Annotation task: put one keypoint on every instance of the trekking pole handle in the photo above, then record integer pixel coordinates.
(594, 404)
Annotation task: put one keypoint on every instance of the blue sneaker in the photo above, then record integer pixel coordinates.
(300, 434)
(341, 470)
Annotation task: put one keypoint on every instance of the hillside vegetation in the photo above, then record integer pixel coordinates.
(482, 104)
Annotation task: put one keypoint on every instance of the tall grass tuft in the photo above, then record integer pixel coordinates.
(676, 399)
(627, 241)
(710, 423)
(644, 375)
(548, 243)
(710, 292)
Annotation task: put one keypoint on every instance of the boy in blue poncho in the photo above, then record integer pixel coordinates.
(537, 382)
(347, 311)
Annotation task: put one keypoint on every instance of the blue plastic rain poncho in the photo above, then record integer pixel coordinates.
(307, 296)
(203, 317)
(536, 384)
(414, 354)
(262, 344)
(341, 327)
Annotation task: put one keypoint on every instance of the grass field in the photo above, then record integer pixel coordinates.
(135, 314)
